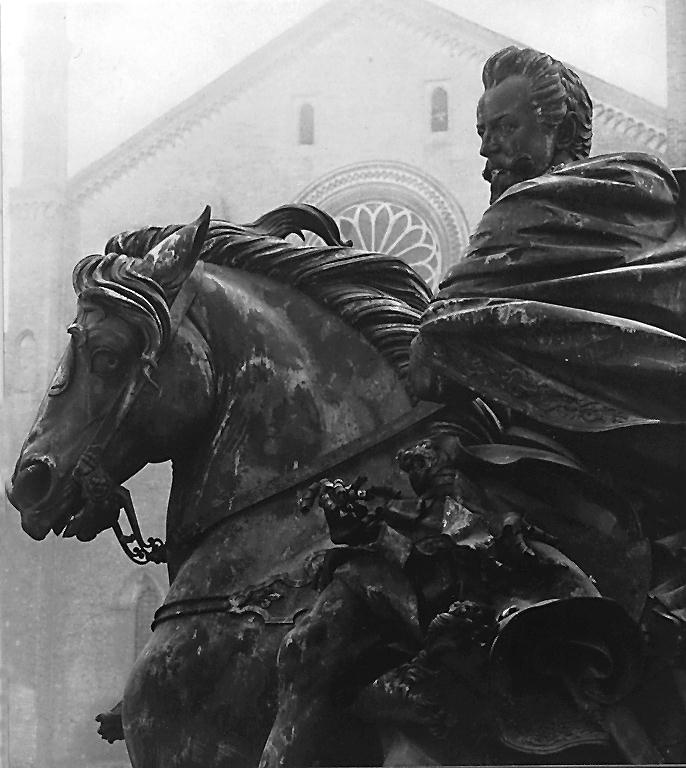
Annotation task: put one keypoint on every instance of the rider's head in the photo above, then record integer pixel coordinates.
(535, 113)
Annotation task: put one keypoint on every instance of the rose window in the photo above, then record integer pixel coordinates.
(395, 230)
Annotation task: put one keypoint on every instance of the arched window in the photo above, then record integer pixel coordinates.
(306, 124)
(439, 110)
(27, 372)
(147, 603)
(396, 209)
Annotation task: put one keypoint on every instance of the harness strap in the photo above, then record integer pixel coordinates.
(88, 464)
(299, 477)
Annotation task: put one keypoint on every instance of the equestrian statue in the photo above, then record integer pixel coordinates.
(402, 529)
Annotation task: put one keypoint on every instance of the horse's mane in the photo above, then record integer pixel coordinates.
(379, 295)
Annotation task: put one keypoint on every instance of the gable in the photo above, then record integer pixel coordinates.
(422, 25)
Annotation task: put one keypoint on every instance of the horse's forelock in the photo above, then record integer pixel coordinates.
(117, 281)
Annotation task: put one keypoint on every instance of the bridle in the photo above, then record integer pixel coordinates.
(96, 486)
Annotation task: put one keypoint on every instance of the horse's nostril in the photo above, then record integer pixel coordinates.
(31, 484)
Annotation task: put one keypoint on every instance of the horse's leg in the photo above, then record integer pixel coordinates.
(313, 656)
(202, 694)
(322, 664)
(110, 724)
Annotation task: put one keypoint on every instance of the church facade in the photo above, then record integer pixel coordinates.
(366, 109)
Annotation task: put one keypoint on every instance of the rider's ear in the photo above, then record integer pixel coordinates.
(172, 260)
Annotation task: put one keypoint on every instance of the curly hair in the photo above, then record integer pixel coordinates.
(556, 91)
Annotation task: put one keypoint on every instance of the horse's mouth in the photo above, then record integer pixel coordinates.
(68, 519)
(67, 522)
(84, 521)
(53, 515)
(80, 524)
(75, 515)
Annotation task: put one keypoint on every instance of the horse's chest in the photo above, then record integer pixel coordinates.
(192, 659)
(213, 676)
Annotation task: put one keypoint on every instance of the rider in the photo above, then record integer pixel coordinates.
(573, 273)
(567, 309)
(565, 317)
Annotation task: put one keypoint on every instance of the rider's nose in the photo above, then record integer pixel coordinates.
(487, 144)
(30, 484)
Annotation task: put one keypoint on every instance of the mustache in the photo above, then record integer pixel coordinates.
(522, 167)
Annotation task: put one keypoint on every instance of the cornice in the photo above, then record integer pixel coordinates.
(624, 124)
(164, 132)
(646, 122)
(35, 201)
(638, 118)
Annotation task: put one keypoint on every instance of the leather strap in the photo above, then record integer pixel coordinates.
(299, 477)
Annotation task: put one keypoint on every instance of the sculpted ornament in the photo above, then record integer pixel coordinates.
(498, 468)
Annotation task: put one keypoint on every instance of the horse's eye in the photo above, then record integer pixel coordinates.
(104, 362)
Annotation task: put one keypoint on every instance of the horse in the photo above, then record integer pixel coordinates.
(255, 366)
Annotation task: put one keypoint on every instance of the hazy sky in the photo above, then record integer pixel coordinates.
(131, 61)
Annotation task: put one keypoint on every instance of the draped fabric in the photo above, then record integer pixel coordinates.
(570, 304)
(568, 316)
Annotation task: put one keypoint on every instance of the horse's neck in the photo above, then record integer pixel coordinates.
(293, 382)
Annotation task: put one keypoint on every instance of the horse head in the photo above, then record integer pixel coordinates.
(129, 311)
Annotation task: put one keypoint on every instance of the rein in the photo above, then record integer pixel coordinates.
(284, 591)
(296, 478)
(153, 550)
(282, 598)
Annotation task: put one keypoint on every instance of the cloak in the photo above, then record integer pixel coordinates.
(567, 315)
(569, 306)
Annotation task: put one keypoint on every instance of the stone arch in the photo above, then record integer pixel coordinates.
(397, 209)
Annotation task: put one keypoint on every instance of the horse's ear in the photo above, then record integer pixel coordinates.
(171, 261)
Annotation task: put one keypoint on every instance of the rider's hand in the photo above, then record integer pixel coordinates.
(349, 520)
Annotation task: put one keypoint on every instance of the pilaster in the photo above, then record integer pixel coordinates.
(676, 82)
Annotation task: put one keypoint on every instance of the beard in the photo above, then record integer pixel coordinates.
(501, 179)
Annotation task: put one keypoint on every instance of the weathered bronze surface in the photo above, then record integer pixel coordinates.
(508, 580)
(284, 355)
(523, 564)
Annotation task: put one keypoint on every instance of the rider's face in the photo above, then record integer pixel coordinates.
(515, 142)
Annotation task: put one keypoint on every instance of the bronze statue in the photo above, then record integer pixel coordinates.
(246, 360)
(534, 115)
(487, 600)
(565, 317)
(581, 254)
